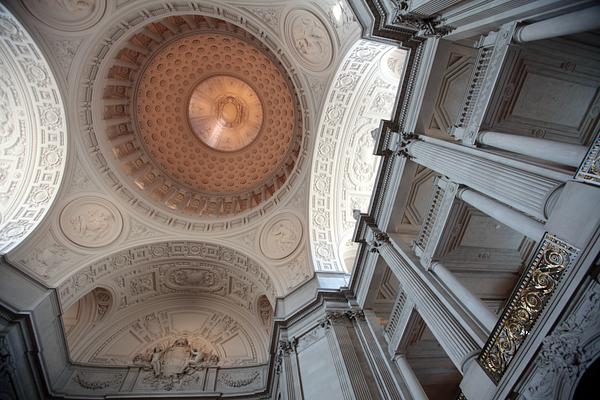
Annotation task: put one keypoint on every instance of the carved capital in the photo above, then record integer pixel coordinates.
(425, 26)
(348, 315)
(406, 138)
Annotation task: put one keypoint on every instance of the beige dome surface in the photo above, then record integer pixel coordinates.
(225, 113)
(212, 126)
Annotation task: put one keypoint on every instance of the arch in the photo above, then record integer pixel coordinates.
(135, 265)
(214, 324)
(33, 134)
(343, 171)
(85, 313)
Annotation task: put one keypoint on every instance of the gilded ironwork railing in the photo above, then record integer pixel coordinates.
(554, 257)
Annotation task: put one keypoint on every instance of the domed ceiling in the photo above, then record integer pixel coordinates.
(199, 116)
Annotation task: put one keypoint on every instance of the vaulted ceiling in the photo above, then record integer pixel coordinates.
(177, 162)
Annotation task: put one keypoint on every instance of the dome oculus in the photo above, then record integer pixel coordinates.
(225, 113)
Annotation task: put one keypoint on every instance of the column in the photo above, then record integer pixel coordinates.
(587, 19)
(451, 335)
(410, 379)
(471, 302)
(524, 186)
(501, 213)
(285, 363)
(549, 150)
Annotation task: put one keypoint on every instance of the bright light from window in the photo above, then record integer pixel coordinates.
(337, 12)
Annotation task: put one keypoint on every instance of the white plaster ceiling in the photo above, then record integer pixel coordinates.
(103, 238)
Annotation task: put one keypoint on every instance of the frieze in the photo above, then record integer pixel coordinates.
(96, 383)
(239, 380)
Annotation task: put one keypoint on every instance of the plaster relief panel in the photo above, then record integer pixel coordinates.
(310, 40)
(296, 271)
(91, 222)
(67, 15)
(48, 259)
(214, 339)
(281, 236)
(545, 90)
(271, 16)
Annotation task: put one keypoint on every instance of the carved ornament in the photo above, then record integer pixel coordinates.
(91, 221)
(553, 259)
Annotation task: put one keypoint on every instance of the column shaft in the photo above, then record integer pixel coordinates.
(501, 213)
(550, 150)
(471, 302)
(524, 190)
(410, 379)
(587, 19)
(451, 335)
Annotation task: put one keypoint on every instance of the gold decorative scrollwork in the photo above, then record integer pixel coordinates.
(535, 288)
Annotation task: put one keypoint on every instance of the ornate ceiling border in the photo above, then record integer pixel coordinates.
(92, 274)
(33, 136)
(354, 80)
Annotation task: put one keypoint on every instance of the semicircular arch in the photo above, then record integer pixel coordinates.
(33, 134)
(343, 170)
(161, 267)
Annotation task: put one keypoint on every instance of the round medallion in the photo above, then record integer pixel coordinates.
(225, 113)
(281, 236)
(91, 222)
(309, 40)
(67, 15)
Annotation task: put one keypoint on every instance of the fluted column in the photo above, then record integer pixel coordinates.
(587, 19)
(470, 301)
(506, 215)
(549, 150)
(523, 186)
(451, 335)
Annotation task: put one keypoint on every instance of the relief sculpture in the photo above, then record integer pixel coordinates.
(91, 222)
(309, 37)
(176, 364)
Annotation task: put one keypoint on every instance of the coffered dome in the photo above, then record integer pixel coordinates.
(200, 116)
